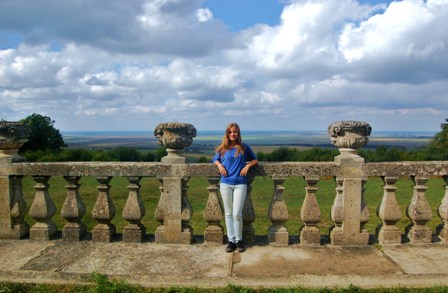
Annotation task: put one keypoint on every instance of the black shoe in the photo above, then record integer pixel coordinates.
(230, 247)
(240, 246)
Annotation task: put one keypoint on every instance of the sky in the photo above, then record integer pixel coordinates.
(266, 64)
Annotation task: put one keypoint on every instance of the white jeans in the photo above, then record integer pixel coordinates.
(233, 198)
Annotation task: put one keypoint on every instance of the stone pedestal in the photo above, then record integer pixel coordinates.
(348, 136)
(171, 208)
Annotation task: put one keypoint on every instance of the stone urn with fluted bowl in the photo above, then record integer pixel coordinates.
(175, 136)
(349, 136)
(12, 136)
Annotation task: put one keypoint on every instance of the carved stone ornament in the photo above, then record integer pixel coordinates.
(175, 135)
(12, 136)
(349, 134)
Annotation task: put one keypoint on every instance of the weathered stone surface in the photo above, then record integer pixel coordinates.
(12, 136)
(389, 212)
(213, 214)
(170, 205)
(94, 169)
(278, 214)
(349, 134)
(42, 210)
(399, 169)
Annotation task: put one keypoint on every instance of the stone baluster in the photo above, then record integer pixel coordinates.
(42, 210)
(103, 212)
(337, 209)
(186, 213)
(389, 212)
(18, 209)
(310, 213)
(419, 212)
(213, 214)
(73, 210)
(365, 214)
(278, 214)
(133, 212)
(158, 213)
(248, 214)
(443, 213)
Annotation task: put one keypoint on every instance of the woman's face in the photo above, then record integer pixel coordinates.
(233, 134)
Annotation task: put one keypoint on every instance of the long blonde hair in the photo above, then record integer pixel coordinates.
(225, 144)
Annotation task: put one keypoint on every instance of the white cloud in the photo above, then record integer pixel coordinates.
(130, 66)
(204, 14)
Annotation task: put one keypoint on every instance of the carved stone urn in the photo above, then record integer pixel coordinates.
(349, 136)
(12, 136)
(175, 136)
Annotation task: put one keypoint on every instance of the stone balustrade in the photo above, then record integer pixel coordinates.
(349, 213)
(174, 211)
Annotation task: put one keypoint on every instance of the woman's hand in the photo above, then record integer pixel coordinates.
(222, 170)
(245, 170)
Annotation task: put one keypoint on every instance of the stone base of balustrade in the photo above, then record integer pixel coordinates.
(214, 234)
(43, 231)
(338, 237)
(420, 234)
(134, 233)
(19, 231)
(390, 235)
(183, 237)
(310, 236)
(278, 236)
(74, 232)
(103, 233)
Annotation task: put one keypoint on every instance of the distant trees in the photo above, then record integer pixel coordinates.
(285, 154)
(46, 144)
(441, 138)
(120, 154)
(43, 134)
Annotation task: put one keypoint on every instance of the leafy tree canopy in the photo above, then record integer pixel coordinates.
(441, 138)
(43, 134)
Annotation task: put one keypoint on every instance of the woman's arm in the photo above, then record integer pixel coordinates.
(246, 168)
(221, 168)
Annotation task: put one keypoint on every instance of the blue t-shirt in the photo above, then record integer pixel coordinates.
(234, 165)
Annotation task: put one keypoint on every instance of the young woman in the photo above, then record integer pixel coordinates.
(234, 159)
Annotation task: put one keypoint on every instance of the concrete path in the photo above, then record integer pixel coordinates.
(200, 265)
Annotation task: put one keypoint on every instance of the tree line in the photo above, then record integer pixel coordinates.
(46, 144)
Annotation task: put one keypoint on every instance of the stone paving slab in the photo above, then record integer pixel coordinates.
(420, 259)
(200, 265)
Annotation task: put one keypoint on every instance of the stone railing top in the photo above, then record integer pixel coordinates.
(280, 169)
(161, 169)
(422, 168)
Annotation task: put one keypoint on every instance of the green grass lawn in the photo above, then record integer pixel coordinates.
(261, 194)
